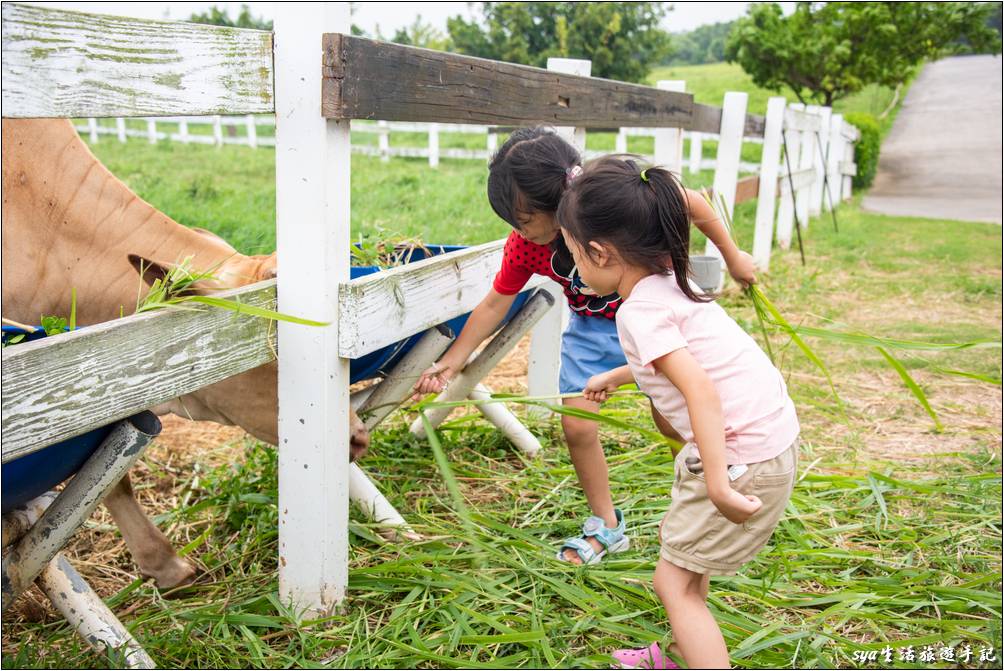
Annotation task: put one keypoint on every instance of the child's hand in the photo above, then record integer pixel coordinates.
(599, 387)
(742, 269)
(736, 507)
(434, 379)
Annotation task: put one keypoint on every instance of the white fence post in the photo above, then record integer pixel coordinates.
(217, 130)
(831, 199)
(786, 207)
(819, 144)
(730, 144)
(669, 141)
(383, 138)
(805, 161)
(768, 182)
(183, 131)
(252, 131)
(92, 126)
(433, 145)
(151, 131)
(313, 159)
(121, 128)
(492, 144)
(544, 358)
(620, 144)
(696, 152)
(848, 158)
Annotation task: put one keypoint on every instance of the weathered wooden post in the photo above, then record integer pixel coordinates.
(768, 182)
(669, 141)
(730, 144)
(820, 142)
(850, 132)
(313, 160)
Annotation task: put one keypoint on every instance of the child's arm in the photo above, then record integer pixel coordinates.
(705, 408)
(483, 321)
(703, 216)
(603, 384)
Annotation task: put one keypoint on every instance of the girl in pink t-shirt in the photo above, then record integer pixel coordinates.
(628, 231)
(527, 178)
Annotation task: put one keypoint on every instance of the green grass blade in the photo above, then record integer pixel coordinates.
(912, 385)
(252, 310)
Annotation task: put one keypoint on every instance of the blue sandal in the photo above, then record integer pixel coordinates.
(612, 540)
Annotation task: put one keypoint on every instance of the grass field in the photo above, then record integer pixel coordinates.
(893, 537)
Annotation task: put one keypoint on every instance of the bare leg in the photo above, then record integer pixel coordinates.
(590, 465)
(684, 594)
(149, 547)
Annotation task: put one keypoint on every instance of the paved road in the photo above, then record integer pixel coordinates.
(942, 158)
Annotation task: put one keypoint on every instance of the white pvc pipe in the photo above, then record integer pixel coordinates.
(507, 423)
(375, 505)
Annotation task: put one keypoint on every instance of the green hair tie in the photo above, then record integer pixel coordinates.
(644, 177)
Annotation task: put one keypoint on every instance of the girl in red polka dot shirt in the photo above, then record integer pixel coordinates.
(526, 180)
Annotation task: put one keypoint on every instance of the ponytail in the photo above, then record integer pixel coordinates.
(642, 213)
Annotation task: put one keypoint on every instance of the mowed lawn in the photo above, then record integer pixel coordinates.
(893, 536)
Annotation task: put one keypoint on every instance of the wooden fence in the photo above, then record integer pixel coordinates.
(56, 64)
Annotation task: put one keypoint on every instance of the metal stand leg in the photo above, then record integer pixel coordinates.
(463, 384)
(76, 502)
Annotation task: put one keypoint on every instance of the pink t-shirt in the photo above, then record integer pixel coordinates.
(658, 318)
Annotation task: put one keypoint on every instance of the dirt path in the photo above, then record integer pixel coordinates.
(942, 158)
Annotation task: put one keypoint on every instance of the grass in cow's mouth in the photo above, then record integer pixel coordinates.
(177, 287)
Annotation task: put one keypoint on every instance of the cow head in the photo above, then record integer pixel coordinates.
(255, 411)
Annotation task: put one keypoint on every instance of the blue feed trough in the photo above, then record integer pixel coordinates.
(36, 473)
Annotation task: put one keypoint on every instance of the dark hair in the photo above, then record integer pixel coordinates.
(529, 173)
(643, 214)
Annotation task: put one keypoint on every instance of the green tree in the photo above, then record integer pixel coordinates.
(622, 39)
(826, 51)
(421, 34)
(221, 17)
(704, 44)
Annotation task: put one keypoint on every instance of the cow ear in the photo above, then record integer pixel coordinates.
(150, 271)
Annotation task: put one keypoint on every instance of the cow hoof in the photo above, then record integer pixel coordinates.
(175, 574)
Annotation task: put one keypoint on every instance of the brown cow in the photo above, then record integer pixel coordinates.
(68, 222)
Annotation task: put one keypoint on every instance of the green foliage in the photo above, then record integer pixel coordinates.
(622, 39)
(826, 51)
(866, 149)
(421, 34)
(221, 17)
(705, 44)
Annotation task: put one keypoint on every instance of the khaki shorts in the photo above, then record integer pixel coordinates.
(697, 537)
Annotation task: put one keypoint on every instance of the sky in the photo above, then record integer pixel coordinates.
(387, 15)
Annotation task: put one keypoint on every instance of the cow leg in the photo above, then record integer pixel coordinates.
(150, 549)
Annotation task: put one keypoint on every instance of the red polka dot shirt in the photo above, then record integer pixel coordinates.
(522, 259)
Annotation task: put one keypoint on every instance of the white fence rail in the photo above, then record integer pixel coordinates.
(243, 131)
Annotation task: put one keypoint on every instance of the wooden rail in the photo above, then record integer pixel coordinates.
(69, 64)
(365, 79)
